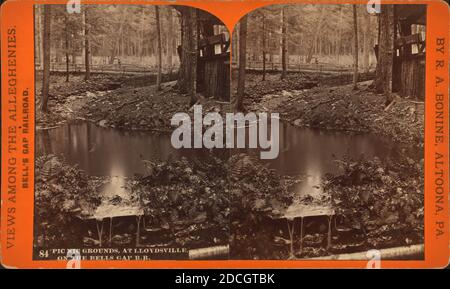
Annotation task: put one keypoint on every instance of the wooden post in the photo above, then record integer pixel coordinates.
(138, 232)
(110, 230)
(329, 232)
(291, 235)
(301, 235)
(99, 231)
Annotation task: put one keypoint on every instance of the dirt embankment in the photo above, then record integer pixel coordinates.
(66, 98)
(315, 102)
(142, 108)
(145, 108)
(256, 88)
(125, 102)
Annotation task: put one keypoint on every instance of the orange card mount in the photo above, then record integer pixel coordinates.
(98, 102)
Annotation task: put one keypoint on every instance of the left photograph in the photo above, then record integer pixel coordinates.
(109, 183)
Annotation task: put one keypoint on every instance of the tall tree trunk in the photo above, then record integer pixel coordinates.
(191, 55)
(313, 45)
(46, 58)
(236, 44)
(170, 39)
(60, 51)
(121, 51)
(242, 64)
(367, 43)
(385, 58)
(142, 36)
(284, 43)
(264, 46)
(355, 50)
(116, 45)
(66, 32)
(73, 51)
(113, 54)
(87, 48)
(159, 48)
(182, 75)
(40, 32)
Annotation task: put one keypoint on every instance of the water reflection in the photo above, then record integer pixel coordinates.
(307, 152)
(312, 153)
(104, 151)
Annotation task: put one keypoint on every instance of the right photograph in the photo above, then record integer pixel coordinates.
(348, 85)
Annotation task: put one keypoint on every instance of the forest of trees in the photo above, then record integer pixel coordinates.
(125, 32)
(302, 33)
(337, 36)
(343, 36)
(115, 35)
(299, 33)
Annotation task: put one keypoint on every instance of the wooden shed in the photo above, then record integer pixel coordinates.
(408, 78)
(214, 58)
(212, 62)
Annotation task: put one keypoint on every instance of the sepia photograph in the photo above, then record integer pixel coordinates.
(221, 143)
(161, 135)
(348, 86)
(109, 79)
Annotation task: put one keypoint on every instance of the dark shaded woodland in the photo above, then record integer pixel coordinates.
(349, 90)
(138, 40)
(338, 39)
(331, 72)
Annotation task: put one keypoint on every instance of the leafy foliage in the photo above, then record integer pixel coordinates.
(255, 188)
(382, 199)
(186, 198)
(64, 195)
(256, 193)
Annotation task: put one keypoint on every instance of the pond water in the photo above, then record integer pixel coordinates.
(102, 151)
(106, 151)
(312, 153)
